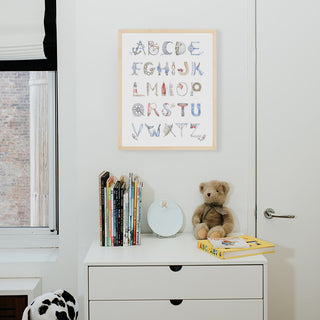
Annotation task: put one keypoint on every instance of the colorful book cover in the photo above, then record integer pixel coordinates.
(256, 246)
(234, 242)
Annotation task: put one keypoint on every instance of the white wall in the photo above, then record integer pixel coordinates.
(175, 174)
(172, 174)
(88, 111)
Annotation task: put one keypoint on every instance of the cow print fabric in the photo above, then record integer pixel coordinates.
(58, 305)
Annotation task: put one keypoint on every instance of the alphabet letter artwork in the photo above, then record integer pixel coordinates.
(167, 89)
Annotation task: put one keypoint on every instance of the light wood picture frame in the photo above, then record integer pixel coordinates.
(167, 89)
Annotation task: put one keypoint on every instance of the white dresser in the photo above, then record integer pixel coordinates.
(171, 279)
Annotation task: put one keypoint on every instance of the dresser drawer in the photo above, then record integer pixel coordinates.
(191, 282)
(187, 310)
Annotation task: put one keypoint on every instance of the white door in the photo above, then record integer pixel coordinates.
(288, 111)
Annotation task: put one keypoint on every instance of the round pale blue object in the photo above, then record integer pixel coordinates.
(165, 218)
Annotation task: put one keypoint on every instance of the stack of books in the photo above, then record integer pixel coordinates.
(120, 210)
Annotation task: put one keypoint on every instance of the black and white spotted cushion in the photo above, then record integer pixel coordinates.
(58, 305)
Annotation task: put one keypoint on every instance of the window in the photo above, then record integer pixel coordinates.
(28, 124)
(28, 159)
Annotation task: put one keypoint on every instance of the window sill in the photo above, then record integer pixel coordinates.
(28, 238)
(29, 255)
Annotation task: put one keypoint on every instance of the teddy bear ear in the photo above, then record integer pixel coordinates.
(225, 187)
(201, 187)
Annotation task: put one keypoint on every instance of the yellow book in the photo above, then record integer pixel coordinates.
(256, 246)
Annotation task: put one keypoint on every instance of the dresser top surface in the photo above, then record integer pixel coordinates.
(179, 250)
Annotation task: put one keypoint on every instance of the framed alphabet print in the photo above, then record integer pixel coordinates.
(167, 89)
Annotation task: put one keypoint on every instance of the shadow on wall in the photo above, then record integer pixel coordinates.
(281, 284)
(148, 198)
(237, 227)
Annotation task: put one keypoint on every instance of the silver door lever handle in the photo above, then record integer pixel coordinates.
(269, 213)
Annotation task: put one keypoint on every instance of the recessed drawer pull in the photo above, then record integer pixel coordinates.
(175, 268)
(176, 302)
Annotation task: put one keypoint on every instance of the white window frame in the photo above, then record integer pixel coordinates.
(41, 237)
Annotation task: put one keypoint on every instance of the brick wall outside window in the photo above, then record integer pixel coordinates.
(14, 149)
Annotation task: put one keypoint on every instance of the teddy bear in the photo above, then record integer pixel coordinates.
(212, 219)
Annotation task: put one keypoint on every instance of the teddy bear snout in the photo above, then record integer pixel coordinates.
(208, 194)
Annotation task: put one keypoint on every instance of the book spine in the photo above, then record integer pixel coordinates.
(125, 219)
(121, 217)
(131, 213)
(115, 208)
(129, 208)
(100, 207)
(135, 214)
(140, 213)
(106, 217)
(103, 177)
(112, 217)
